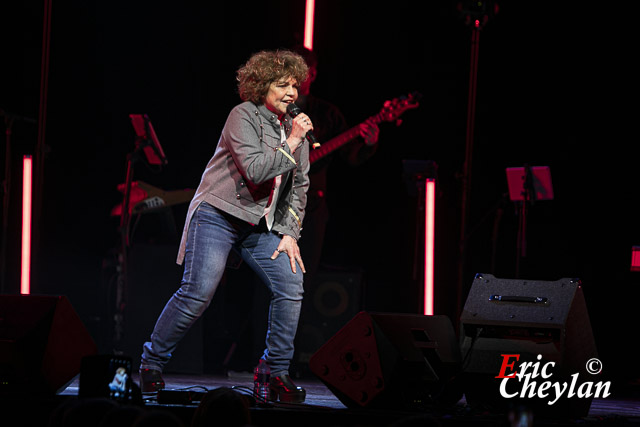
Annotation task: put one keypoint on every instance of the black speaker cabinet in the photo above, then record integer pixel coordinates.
(42, 343)
(391, 360)
(331, 300)
(542, 322)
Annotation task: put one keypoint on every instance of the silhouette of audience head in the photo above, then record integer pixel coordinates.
(418, 420)
(81, 412)
(222, 406)
(122, 416)
(105, 412)
(158, 418)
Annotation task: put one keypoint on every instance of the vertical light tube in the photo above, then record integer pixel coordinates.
(429, 244)
(635, 258)
(25, 271)
(308, 24)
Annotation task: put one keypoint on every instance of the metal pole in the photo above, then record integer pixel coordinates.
(466, 176)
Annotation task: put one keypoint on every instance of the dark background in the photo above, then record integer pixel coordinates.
(556, 86)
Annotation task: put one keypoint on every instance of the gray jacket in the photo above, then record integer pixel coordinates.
(239, 177)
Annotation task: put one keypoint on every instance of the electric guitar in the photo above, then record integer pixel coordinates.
(390, 112)
(144, 198)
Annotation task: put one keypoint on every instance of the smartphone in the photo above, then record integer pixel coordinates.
(106, 376)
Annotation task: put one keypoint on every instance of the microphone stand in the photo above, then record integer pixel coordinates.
(529, 197)
(465, 176)
(125, 221)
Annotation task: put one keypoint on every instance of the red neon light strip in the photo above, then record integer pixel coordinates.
(308, 24)
(25, 276)
(635, 258)
(429, 244)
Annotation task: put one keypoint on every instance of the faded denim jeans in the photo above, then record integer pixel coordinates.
(212, 235)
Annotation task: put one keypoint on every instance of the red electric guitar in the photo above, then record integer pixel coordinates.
(390, 112)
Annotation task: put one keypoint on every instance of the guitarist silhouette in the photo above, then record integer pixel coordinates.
(329, 122)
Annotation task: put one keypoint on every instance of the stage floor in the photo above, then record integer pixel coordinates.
(322, 407)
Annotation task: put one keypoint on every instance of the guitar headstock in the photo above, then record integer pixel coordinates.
(393, 109)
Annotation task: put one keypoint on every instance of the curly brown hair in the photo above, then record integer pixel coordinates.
(266, 67)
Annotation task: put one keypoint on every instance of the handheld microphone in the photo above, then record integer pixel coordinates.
(293, 111)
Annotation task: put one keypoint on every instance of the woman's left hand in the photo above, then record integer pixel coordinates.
(289, 246)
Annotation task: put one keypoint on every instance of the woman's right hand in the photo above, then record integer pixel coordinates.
(301, 124)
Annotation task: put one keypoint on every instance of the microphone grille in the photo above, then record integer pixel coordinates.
(293, 109)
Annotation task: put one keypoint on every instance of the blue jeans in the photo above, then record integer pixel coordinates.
(212, 235)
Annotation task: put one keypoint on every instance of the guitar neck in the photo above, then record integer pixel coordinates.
(390, 112)
(334, 143)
